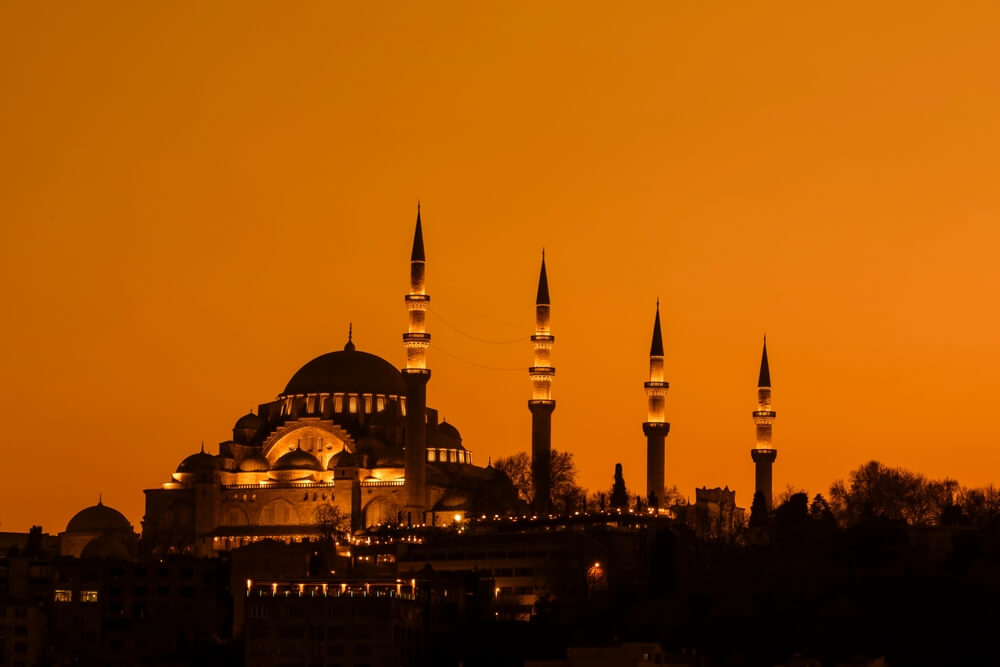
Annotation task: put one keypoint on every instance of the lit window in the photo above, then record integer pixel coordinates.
(310, 403)
(368, 405)
(431, 455)
(88, 596)
(338, 403)
(380, 403)
(402, 406)
(352, 405)
(64, 596)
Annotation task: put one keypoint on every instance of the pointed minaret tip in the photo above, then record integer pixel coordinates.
(418, 240)
(765, 371)
(349, 347)
(656, 346)
(542, 298)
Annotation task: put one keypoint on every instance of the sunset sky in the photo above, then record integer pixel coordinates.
(197, 198)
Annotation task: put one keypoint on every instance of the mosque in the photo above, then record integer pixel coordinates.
(351, 443)
(349, 439)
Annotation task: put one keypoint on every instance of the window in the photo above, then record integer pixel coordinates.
(352, 405)
(368, 405)
(88, 596)
(431, 455)
(338, 403)
(380, 403)
(63, 596)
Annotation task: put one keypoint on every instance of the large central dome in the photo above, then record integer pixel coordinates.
(347, 371)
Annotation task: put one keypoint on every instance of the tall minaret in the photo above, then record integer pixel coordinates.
(541, 403)
(416, 375)
(764, 453)
(655, 427)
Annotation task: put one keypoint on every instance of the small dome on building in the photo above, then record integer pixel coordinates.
(105, 547)
(297, 459)
(254, 463)
(247, 427)
(99, 519)
(250, 421)
(344, 459)
(449, 430)
(200, 462)
(391, 459)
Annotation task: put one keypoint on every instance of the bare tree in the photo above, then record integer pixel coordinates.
(564, 494)
(332, 522)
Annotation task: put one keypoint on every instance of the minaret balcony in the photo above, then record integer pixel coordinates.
(764, 414)
(543, 338)
(541, 371)
(413, 298)
(417, 339)
(656, 385)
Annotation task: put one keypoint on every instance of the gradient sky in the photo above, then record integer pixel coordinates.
(196, 198)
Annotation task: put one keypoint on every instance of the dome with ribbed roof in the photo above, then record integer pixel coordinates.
(99, 519)
(347, 371)
(297, 459)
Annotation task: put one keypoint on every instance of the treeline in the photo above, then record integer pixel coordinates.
(877, 491)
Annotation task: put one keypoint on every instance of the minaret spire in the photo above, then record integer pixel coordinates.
(541, 404)
(415, 375)
(656, 427)
(764, 454)
(349, 346)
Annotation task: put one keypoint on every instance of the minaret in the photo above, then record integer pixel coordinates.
(541, 403)
(764, 453)
(655, 427)
(416, 375)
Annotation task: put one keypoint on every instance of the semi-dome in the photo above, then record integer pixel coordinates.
(347, 371)
(254, 463)
(99, 519)
(297, 459)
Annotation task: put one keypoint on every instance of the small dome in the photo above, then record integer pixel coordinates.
(297, 460)
(106, 547)
(452, 500)
(344, 459)
(447, 429)
(99, 519)
(347, 371)
(250, 421)
(200, 462)
(254, 463)
(391, 459)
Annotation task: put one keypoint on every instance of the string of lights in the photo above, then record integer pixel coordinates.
(473, 363)
(519, 339)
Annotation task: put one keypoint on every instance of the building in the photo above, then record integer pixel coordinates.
(348, 438)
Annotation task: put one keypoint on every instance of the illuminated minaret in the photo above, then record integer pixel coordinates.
(764, 453)
(541, 403)
(655, 427)
(416, 375)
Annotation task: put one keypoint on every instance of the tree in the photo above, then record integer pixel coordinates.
(619, 494)
(759, 516)
(981, 506)
(564, 494)
(332, 522)
(819, 510)
(878, 491)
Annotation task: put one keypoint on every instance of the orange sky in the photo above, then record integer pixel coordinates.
(196, 200)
